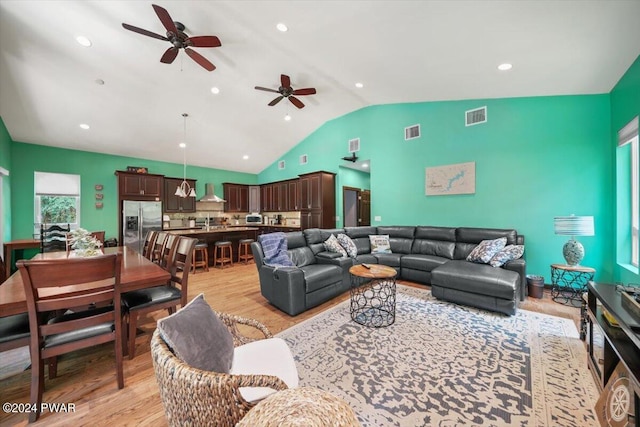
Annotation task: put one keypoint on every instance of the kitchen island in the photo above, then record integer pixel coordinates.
(216, 234)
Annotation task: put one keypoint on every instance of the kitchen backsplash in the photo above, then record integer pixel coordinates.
(216, 213)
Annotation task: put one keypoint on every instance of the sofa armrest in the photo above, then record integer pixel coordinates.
(283, 287)
(328, 255)
(520, 267)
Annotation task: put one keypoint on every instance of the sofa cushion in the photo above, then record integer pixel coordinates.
(366, 259)
(433, 247)
(317, 276)
(348, 245)
(302, 256)
(392, 260)
(402, 231)
(507, 254)
(421, 262)
(380, 244)
(444, 234)
(476, 278)
(332, 245)
(198, 337)
(486, 250)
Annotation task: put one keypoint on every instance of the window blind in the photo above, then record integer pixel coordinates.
(56, 184)
(628, 132)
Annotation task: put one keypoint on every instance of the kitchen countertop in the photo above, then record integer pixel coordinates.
(213, 230)
(267, 225)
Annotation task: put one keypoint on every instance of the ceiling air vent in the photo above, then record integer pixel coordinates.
(475, 117)
(412, 132)
(354, 145)
(281, 164)
(303, 159)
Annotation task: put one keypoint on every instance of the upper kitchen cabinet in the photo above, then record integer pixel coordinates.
(237, 197)
(177, 204)
(254, 198)
(139, 186)
(294, 195)
(317, 200)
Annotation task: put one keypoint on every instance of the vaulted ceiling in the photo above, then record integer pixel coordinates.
(401, 51)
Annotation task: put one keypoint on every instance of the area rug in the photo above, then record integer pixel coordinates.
(441, 364)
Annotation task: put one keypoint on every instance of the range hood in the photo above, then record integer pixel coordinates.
(209, 196)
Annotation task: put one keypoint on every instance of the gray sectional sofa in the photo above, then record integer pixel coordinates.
(429, 255)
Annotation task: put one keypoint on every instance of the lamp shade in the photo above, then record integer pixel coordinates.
(573, 225)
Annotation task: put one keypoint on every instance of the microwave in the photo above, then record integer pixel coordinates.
(253, 218)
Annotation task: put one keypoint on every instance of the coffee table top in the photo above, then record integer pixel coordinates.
(376, 271)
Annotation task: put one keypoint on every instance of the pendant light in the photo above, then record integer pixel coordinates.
(184, 189)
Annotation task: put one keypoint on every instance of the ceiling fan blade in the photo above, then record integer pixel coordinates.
(204, 62)
(266, 89)
(204, 41)
(169, 55)
(305, 91)
(143, 32)
(295, 101)
(285, 80)
(275, 101)
(165, 18)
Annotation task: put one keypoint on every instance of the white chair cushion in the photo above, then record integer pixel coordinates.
(264, 357)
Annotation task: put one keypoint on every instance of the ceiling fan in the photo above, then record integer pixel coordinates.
(286, 91)
(179, 40)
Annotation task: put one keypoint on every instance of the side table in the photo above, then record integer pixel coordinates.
(373, 295)
(569, 282)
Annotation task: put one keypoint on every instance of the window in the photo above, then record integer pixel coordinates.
(57, 199)
(628, 136)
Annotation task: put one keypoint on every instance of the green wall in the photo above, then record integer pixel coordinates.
(625, 105)
(536, 158)
(93, 169)
(5, 162)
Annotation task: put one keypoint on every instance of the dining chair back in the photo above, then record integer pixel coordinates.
(149, 244)
(62, 286)
(167, 251)
(99, 236)
(157, 247)
(143, 301)
(53, 238)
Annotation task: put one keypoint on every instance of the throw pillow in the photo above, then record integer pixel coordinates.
(332, 245)
(486, 250)
(348, 245)
(198, 337)
(509, 253)
(380, 244)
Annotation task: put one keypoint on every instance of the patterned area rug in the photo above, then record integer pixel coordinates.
(441, 364)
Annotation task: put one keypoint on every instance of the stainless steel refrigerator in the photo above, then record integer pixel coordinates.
(138, 219)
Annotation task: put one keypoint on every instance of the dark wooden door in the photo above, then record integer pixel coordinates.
(364, 208)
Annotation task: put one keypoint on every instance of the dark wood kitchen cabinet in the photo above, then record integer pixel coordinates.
(177, 204)
(139, 186)
(266, 199)
(317, 200)
(294, 195)
(237, 197)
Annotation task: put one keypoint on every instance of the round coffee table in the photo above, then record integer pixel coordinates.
(373, 295)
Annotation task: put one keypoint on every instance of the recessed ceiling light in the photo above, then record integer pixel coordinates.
(182, 145)
(245, 157)
(287, 118)
(281, 27)
(83, 41)
(215, 90)
(359, 85)
(504, 67)
(84, 126)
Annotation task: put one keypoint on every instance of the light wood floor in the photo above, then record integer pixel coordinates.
(87, 377)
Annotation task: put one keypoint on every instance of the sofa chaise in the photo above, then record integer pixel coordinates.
(434, 256)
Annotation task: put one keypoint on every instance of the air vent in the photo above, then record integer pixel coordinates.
(281, 164)
(303, 159)
(412, 132)
(354, 145)
(475, 117)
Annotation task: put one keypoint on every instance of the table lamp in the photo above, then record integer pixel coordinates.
(573, 225)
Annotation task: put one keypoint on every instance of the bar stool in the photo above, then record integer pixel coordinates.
(244, 252)
(201, 248)
(222, 253)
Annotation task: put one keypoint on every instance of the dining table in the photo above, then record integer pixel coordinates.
(137, 273)
(14, 245)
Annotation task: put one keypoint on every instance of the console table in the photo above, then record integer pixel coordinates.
(373, 295)
(613, 355)
(569, 282)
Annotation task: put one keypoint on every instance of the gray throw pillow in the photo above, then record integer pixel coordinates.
(348, 245)
(486, 250)
(198, 337)
(332, 245)
(507, 254)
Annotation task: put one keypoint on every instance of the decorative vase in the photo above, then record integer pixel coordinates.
(573, 252)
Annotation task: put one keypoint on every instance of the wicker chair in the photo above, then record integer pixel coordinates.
(193, 397)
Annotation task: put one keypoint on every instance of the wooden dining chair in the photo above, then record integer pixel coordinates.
(157, 247)
(149, 244)
(53, 238)
(99, 236)
(166, 252)
(55, 286)
(143, 301)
